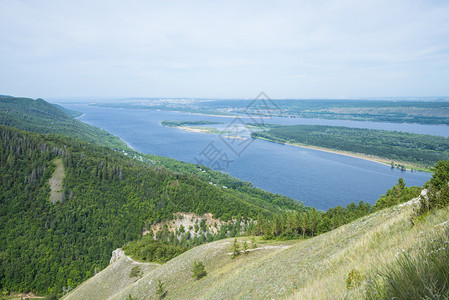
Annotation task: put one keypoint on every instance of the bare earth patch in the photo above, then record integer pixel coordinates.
(55, 181)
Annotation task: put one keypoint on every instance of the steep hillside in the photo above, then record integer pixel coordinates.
(113, 279)
(43, 117)
(315, 268)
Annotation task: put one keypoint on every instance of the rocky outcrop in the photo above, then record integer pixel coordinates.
(116, 254)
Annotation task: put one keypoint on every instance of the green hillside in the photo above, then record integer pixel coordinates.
(43, 117)
(316, 268)
(107, 200)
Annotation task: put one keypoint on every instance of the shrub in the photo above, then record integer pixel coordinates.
(245, 247)
(354, 279)
(135, 272)
(160, 290)
(235, 248)
(198, 270)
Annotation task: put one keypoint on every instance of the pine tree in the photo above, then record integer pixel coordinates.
(160, 290)
(304, 222)
(198, 270)
(235, 248)
(253, 242)
(245, 247)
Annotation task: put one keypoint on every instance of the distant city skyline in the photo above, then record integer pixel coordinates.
(228, 49)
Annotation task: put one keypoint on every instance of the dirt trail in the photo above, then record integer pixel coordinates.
(55, 181)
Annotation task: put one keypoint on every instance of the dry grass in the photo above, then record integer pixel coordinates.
(111, 280)
(309, 269)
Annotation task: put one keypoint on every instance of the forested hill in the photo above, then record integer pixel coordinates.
(43, 117)
(108, 199)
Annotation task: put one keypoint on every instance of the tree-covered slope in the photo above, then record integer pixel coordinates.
(43, 117)
(108, 199)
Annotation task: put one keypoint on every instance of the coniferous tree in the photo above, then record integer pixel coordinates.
(160, 290)
(198, 270)
(235, 248)
(245, 247)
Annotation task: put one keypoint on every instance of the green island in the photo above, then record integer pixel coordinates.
(170, 216)
(400, 149)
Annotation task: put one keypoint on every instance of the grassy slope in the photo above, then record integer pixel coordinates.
(111, 280)
(316, 268)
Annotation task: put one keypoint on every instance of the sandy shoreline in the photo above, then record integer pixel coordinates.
(378, 160)
(190, 129)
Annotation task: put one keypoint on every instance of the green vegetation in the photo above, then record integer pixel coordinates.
(198, 270)
(396, 195)
(43, 117)
(315, 268)
(308, 223)
(416, 149)
(107, 200)
(149, 250)
(354, 279)
(419, 274)
(111, 280)
(377, 256)
(160, 290)
(440, 176)
(187, 123)
(422, 112)
(235, 248)
(437, 195)
(245, 247)
(130, 297)
(70, 112)
(136, 271)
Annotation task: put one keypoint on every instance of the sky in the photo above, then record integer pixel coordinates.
(224, 49)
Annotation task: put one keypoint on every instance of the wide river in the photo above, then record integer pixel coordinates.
(314, 177)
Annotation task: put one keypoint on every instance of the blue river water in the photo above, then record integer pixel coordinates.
(314, 177)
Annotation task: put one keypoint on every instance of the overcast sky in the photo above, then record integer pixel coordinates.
(289, 49)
